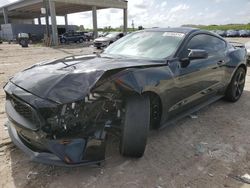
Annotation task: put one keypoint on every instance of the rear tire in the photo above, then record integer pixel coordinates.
(63, 41)
(135, 126)
(236, 86)
(81, 40)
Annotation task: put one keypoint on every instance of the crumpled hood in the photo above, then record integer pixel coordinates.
(65, 81)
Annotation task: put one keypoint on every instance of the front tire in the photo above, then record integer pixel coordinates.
(135, 126)
(236, 86)
(24, 43)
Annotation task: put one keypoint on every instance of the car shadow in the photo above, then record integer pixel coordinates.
(175, 152)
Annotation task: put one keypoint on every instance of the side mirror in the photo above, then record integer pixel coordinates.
(197, 54)
(193, 54)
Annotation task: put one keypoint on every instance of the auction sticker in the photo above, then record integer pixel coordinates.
(173, 34)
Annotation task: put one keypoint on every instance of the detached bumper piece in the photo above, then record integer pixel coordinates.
(69, 153)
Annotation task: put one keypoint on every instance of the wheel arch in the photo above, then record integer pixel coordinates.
(243, 66)
(239, 66)
(230, 91)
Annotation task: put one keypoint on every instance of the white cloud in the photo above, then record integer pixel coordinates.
(181, 7)
(219, 1)
(164, 3)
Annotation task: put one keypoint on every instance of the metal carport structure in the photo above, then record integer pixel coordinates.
(30, 9)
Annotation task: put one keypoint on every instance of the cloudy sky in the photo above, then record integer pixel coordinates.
(164, 13)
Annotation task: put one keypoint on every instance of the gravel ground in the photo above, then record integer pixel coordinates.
(204, 151)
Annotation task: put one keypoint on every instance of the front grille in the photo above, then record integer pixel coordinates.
(98, 44)
(24, 110)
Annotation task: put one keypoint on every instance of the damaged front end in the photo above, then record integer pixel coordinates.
(60, 112)
(72, 133)
(67, 134)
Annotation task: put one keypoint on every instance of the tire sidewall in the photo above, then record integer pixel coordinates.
(81, 40)
(230, 90)
(139, 134)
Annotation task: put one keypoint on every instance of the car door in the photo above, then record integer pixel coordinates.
(65, 36)
(199, 80)
(76, 37)
(70, 37)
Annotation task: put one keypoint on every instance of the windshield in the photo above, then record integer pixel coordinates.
(146, 45)
(111, 35)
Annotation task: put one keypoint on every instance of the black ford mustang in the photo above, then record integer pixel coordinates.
(60, 111)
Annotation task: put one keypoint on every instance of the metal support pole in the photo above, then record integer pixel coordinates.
(5, 16)
(125, 20)
(39, 21)
(53, 22)
(46, 6)
(66, 19)
(94, 17)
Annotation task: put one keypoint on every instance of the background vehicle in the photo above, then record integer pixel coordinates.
(244, 33)
(72, 37)
(107, 40)
(221, 33)
(90, 36)
(146, 80)
(102, 34)
(247, 45)
(232, 33)
(87, 35)
(23, 39)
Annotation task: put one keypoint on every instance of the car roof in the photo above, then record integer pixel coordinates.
(185, 30)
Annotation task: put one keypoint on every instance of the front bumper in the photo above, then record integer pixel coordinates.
(100, 44)
(56, 159)
(26, 129)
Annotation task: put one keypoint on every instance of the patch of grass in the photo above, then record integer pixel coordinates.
(223, 27)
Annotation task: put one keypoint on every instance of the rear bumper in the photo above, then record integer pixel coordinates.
(56, 159)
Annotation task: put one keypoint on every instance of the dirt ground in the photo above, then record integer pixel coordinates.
(204, 151)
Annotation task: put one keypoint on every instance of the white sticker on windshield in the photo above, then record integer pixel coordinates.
(173, 34)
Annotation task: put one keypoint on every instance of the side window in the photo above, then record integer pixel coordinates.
(211, 44)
